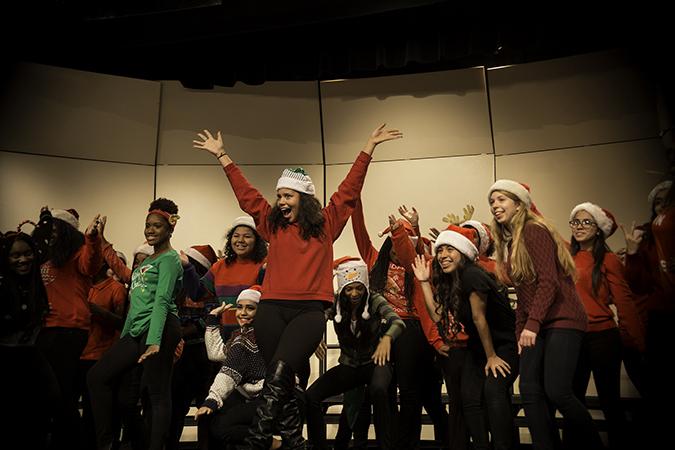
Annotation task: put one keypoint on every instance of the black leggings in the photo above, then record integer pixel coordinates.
(289, 331)
(340, 379)
(546, 374)
(452, 366)
(104, 379)
(483, 394)
(62, 347)
(413, 358)
(229, 425)
(601, 354)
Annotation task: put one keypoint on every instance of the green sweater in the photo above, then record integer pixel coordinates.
(154, 286)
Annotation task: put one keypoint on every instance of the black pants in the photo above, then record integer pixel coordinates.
(120, 361)
(452, 366)
(413, 359)
(289, 331)
(340, 379)
(62, 347)
(600, 354)
(30, 397)
(489, 396)
(546, 374)
(359, 428)
(192, 376)
(229, 425)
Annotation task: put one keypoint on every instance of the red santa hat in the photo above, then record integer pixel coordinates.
(483, 235)
(603, 218)
(203, 254)
(253, 294)
(458, 238)
(520, 190)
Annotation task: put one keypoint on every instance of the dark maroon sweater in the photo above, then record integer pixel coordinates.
(551, 300)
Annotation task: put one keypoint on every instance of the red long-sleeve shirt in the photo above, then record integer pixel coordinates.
(612, 289)
(299, 269)
(110, 295)
(551, 300)
(68, 286)
(405, 251)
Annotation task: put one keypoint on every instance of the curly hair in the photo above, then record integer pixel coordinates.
(68, 241)
(164, 204)
(447, 288)
(378, 274)
(310, 219)
(258, 254)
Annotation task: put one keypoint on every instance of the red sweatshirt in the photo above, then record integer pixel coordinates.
(405, 252)
(551, 300)
(110, 295)
(68, 286)
(614, 289)
(299, 269)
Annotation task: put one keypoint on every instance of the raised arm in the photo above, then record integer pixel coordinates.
(250, 199)
(343, 201)
(366, 249)
(110, 257)
(89, 260)
(422, 271)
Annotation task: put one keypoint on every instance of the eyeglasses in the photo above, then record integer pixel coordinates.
(586, 223)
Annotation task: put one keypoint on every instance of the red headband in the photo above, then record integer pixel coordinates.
(171, 218)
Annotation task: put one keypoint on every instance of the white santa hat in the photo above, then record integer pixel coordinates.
(253, 294)
(658, 188)
(245, 221)
(68, 216)
(296, 179)
(458, 238)
(520, 190)
(603, 218)
(349, 270)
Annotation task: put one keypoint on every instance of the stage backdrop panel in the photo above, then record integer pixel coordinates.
(275, 123)
(615, 176)
(441, 114)
(569, 102)
(434, 187)
(122, 192)
(207, 206)
(62, 112)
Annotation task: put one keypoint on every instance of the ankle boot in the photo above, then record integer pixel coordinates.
(290, 423)
(278, 386)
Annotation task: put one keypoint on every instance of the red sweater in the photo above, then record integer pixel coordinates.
(612, 289)
(111, 295)
(405, 252)
(68, 286)
(299, 269)
(551, 300)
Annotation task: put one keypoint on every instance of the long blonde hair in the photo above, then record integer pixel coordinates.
(522, 268)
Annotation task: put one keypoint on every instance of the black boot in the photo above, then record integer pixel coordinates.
(278, 386)
(289, 424)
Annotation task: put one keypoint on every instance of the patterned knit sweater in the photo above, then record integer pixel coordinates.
(243, 365)
(551, 300)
